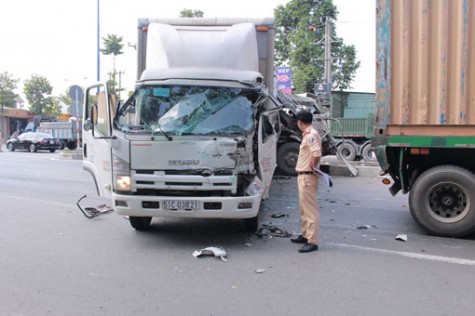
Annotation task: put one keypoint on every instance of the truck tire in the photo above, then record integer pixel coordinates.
(287, 156)
(368, 153)
(71, 145)
(347, 150)
(442, 201)
(140, 223)
(251, 224)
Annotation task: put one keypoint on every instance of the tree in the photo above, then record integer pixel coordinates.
(7, 85)
(300, 35)
(113, 46)
(188, 13)
(37, 90)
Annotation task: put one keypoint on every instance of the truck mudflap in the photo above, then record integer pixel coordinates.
(196, 207)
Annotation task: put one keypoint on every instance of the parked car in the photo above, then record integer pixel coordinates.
(34, 141)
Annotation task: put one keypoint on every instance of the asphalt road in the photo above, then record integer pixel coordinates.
(54, 261)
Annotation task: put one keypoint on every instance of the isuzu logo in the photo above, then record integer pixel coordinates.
(184, 162)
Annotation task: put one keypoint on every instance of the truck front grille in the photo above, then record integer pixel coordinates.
(145, 182)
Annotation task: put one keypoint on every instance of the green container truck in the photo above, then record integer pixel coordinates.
(425, 100)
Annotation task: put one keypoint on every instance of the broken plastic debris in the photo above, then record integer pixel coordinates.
(215, 251)
(260, 270)
(277, 215)
(401, 237)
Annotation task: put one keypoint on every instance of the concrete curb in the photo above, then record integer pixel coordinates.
(71, 155)
(336, 167)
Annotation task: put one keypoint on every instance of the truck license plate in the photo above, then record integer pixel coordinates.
(181, 205)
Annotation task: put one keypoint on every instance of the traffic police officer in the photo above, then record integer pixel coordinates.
(309, 159)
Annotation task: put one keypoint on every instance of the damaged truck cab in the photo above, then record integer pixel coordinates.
(197, 138)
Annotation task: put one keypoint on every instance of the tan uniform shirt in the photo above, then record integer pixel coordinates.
(309, 147)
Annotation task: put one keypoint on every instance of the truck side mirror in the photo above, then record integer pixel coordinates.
(87, 124)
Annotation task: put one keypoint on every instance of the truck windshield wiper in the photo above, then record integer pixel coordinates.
(163, 132)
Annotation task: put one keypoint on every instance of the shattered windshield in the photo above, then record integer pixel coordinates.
(193, 110)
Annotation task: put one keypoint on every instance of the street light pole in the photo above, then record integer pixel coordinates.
(98, 45)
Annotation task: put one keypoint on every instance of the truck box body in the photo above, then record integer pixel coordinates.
(264, 43)
(425, 99)
(425, 78)
(198, 136)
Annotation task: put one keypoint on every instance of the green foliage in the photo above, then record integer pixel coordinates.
(113, 45)
(53, 109)
(300, 32)
(37, 90)
(188, 13)
(7, 85)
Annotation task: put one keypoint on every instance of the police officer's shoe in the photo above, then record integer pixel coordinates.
(299, 239)
(308, 248)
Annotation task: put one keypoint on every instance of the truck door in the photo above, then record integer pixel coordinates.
(269, 129)
(97, 131)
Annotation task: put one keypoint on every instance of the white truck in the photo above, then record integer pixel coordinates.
(198, 136)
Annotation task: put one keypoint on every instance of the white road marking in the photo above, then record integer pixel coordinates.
(413, 255)
(23, 198)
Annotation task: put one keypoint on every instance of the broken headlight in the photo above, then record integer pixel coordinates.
(256, 187)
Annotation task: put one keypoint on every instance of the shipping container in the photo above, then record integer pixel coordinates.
(425, 67)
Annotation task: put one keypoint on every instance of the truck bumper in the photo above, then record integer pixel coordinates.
(204, 207)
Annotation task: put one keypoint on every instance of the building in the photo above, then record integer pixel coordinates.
(12, 120)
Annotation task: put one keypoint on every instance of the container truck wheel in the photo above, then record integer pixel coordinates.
(251, 224)
(442, 201)
(347, 150)
(140, 223)
(368, 153)
(287, 156)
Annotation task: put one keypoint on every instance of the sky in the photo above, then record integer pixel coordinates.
(57, 39)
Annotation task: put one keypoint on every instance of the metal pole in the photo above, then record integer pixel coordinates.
(328, 51)
(98, 45)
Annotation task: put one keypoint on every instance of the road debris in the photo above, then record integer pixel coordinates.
(91, 212)
(365, 227)
(278, 215)
(258, 271)
(271, 230)
(216, 251)
(401, 237)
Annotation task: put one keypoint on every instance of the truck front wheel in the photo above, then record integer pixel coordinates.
(287, 157)
(251, 224)
(442, 201)
(140, 223)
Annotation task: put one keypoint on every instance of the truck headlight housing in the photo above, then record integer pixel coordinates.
(121, 174)
(256, 187)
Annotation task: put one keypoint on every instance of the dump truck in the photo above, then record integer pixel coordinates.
(352, 126)
(425, 120)
(198, 136)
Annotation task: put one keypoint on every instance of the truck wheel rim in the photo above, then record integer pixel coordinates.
(291, 160)
(447, 202)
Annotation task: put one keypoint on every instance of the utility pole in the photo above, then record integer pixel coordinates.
(328, 51)
(323, 88)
